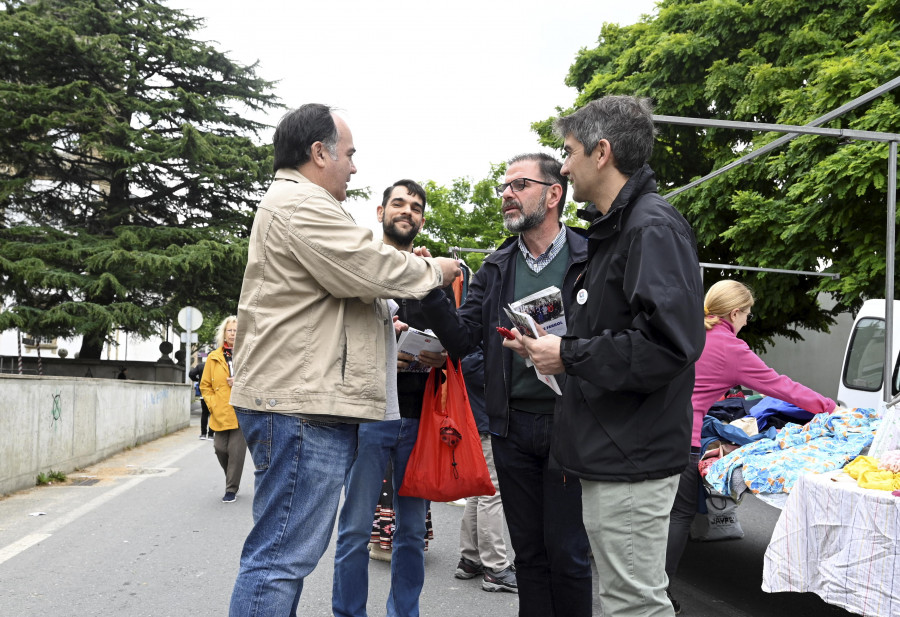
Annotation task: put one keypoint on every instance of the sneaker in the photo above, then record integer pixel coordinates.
(378, 553)
(466, 569)
(229, 497)
(504, 580)
(675, 605)
(202, 436)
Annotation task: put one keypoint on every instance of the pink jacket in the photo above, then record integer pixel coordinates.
(727, 361)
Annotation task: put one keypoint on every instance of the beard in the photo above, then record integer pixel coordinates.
(527, 221)
(401, 238)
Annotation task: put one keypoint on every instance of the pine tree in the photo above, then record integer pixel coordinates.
(129, 169)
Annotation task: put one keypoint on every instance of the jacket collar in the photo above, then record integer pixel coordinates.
(724, 324)
(292, 175)
(506, 252)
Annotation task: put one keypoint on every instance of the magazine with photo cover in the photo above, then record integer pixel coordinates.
(413, 341)
(526, 325)
(522, 321)
(546, 308)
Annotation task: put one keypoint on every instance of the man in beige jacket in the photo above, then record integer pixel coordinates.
(310, 352)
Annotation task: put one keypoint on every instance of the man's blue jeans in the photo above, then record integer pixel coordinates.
(301, 466)
(378, 442)
(543, 514)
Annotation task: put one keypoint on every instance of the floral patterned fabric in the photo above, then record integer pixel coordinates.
(828, 442)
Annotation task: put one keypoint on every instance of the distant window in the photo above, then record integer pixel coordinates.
(33, 342)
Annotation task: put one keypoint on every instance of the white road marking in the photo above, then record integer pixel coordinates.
(11, 550)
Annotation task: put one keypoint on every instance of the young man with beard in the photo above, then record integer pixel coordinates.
(543, 507)
(624, 425)
(401, 214)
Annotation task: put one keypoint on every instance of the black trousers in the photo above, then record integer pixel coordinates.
(543, 513)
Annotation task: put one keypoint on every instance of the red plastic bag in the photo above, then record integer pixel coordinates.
(446, 463)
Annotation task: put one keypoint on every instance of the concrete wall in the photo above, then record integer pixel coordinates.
(64, 423)
(163, 370)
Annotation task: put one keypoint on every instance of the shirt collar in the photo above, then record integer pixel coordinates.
(538, 263)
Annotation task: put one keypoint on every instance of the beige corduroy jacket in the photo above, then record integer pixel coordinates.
(312, 316)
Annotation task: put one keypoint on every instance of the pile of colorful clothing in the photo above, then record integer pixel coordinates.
(773, 463)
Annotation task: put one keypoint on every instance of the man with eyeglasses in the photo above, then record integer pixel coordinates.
(624, 425)
(542, 506)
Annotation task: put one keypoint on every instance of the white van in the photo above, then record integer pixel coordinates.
(861, 373)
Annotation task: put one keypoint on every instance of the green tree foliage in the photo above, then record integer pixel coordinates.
(465, 215)
(129, 170)
(817, 201)
(468, 215)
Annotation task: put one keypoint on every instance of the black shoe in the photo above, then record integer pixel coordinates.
(675, 605)
(466, 569)
(229, 497)
(504, 580)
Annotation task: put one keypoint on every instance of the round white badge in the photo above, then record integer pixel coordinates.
(582, 296)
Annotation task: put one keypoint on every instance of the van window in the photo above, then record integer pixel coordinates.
(865, 357)
(895, 380)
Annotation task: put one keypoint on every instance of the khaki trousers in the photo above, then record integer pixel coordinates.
(481, 530)
(628, 525)
(231, 447)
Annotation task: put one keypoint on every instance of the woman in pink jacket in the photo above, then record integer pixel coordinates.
(726, 361)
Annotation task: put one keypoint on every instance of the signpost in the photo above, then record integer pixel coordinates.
(190, 319)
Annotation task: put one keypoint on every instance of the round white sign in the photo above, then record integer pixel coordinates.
(190, 318)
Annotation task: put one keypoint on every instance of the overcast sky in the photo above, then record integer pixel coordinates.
(431, 91)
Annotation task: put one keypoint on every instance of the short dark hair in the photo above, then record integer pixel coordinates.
(299, 129)
(550, 168)
(411, 185)
(626, 122)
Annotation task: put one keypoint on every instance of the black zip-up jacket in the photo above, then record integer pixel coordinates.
(477, 319)
(411, 386)
(625, 414)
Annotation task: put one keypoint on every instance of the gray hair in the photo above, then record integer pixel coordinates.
(331, 143)
(220, 331)
(626, 122)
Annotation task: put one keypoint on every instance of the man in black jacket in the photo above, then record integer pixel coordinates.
(196, 373)
(543, 507)
(624, 424)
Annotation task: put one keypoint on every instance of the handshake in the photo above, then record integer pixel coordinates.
(450, 268)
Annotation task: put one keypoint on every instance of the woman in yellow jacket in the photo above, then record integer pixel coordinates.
(215, 386)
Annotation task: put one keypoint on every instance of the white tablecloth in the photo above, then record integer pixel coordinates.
(840, 542)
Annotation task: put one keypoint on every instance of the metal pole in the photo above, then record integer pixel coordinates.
(831, 275)
(860, 100)
(889, 253)
(187, 346)
(779, 128)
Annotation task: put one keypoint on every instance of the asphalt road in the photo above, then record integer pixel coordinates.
(144, 533)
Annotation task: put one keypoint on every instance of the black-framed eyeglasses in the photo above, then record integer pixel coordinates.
(518, 185)
(749, 316)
